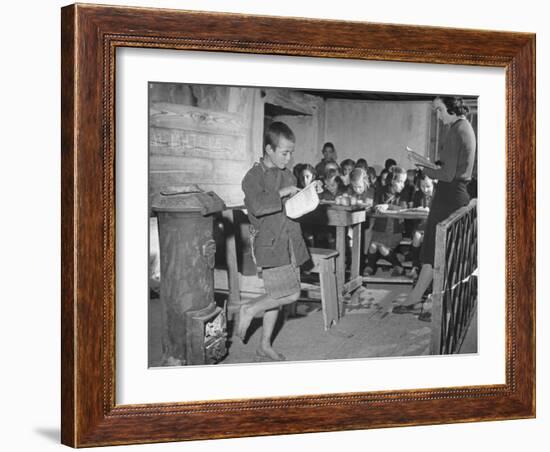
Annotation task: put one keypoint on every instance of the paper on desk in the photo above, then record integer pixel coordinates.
(420, 160)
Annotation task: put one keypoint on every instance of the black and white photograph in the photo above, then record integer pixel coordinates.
(295, 224)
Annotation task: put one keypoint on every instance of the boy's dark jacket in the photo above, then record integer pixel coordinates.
(385, 196)
(273, 229)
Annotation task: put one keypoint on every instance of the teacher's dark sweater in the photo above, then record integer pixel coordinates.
(457, 154)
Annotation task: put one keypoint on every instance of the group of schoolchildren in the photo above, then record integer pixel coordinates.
(278, 244)
(393, 189)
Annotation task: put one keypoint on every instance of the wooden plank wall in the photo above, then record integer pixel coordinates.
(209, 143)
(211, 135)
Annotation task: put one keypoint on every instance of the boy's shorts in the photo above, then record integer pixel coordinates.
(282, 281)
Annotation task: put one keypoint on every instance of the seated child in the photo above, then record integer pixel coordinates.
(297, 170)
(329, 155)
(347, 166)
(362, 163)
(389, 164)
(333, 186)
(306, 175)
(277, 243)
(380, 185)
(410, 188)
(371, 175)
(360, 187)
(331, 166)
(422, 199)
(407, 195)
(387, 232)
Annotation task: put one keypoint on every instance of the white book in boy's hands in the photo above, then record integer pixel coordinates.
(420, 160)
(305, 201)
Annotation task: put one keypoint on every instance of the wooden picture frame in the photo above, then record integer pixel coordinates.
(90, 37)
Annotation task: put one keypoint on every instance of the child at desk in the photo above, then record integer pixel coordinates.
(329, 168)
(306, 175)
(407, 195)
(347, 166)
(372, 177)
(333, 186)
(411, 187)
(387, 232)
(361, 192)
(329, 155)
(362, 163)
(380, 185)
(360, 188)
(422, 199)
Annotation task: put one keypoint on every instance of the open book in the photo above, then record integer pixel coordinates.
(420, 160)
(305, 201)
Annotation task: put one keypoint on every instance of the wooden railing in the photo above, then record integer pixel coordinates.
(454, 293)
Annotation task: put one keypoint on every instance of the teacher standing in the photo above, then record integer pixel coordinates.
(457, 157)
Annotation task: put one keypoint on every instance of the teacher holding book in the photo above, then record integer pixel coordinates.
(456, 159)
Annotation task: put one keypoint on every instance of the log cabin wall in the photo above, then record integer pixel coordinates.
(377, 130)
(206, 135)
(211, 135)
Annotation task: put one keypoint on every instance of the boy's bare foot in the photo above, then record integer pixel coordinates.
(245, 317)
(268, 352)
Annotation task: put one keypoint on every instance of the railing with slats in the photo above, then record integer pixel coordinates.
(454, 293)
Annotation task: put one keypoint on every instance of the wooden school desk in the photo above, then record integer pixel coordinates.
(342, 217)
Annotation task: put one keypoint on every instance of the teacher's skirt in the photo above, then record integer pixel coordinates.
(448, 197)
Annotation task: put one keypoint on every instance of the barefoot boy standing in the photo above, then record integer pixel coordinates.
(277, 243)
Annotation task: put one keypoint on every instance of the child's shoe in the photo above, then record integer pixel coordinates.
(397, 271)
(368, 271)
(413, 273)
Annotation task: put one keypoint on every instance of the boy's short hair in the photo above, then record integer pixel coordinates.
(275, 131)
(328, 144)
(420, 176)
(389, 163)
(347, 162)
(396, 171)
(361, 163)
